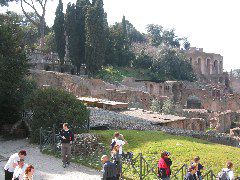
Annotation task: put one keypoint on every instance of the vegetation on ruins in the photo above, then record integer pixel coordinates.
(13, 69)
(52, 106)
(182, 149)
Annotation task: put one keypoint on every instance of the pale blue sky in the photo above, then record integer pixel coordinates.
(210, 24)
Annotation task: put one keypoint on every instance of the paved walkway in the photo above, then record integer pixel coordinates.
(46, 167)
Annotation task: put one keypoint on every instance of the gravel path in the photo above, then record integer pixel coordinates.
(46, 167)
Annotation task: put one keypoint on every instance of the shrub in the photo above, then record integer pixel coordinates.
(167, 107)
(51, 106)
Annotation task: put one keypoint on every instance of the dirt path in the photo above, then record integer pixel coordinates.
(46, 167)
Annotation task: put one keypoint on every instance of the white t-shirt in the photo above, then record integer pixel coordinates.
(13, 159)
(19, 172)
(230, 173)
(120, 143)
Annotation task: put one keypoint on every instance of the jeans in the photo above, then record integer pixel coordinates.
(167, 178)
(66, 152)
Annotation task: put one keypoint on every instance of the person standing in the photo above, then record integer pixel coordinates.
(164, 163)
(29, 173)
(109, 169)
(117, 161)
(226, 173)
(191, 172)
(12, 164)
(19, 170)
(120, 141)
(200, 167)
(67, 138)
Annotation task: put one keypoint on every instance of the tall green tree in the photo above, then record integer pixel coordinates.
(13, 68)
(59, 31)
(96, 38)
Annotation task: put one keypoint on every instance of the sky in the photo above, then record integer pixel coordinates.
(213, 25)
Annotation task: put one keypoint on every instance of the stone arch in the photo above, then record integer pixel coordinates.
(194, 102)
(151, 88)
(208, 65)
(199, 65)
(190, 60)
(215, 67)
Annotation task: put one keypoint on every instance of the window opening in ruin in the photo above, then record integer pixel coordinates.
(151, 88)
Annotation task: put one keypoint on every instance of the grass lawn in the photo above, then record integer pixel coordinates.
(183, 149)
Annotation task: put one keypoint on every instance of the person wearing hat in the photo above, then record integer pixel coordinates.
(19, 170)
(164, 163)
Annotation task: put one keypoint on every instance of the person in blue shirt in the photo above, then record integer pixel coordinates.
(109, 170)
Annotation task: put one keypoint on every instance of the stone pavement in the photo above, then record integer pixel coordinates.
(46, 167)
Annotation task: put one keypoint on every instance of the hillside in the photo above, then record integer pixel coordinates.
(182, 149)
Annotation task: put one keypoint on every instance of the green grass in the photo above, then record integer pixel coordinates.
(183, 149)
(117, 74)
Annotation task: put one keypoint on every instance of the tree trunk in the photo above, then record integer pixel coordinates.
(42, 33)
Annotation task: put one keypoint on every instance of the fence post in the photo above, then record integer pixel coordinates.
(140, 174)
(54, 139)
(40, 144)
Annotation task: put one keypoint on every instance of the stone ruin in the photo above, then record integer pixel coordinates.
(205, 104)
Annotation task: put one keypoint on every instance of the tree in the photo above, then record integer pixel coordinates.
(170, 39)
(59, 32)
(172, 65)
(39, 21)
(13, 69)
(96, 38)
(186, 45)
(155, 34)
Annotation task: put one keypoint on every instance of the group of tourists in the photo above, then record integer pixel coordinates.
(112, 167)
(17, 169)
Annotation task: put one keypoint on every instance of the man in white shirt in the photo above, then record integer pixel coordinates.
(120, 141)
(19, 170)
(12, 164)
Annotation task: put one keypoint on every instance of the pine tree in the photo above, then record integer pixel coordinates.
(95, 37)
(59, 31)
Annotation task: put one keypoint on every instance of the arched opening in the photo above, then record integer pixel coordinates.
(208, 66)
(194, 102)
(151, 88)
(190, 60)
(199, 64)
(215, 67)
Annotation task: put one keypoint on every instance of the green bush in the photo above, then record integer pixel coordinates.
(51, 106)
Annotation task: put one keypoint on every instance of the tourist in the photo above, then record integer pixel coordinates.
(109, 169)
(117, 160)
(12, 164)
(191, 172)
(164, 164)
(28, 175)
(120, 141)
(19, 170)
(66, 139)
(200, 167)
(227, 173)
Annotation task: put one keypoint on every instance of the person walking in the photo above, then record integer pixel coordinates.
(109, 170)
(117, 161)
(191, 172)
(28, 175)
(67, 138)
(164, 163)
(12, 163)
(200, 167)
(19, 170)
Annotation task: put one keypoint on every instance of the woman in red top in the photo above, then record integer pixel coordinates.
(164, 164)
